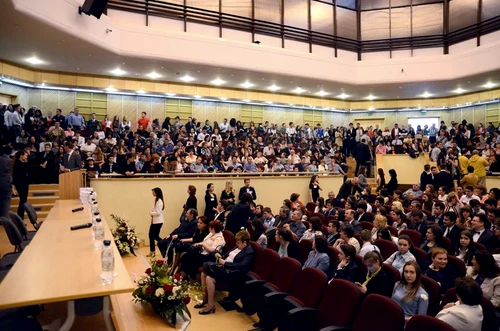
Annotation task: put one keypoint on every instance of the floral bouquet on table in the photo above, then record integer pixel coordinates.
(124, 236)
(167, 295)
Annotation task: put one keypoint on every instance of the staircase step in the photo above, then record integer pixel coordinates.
(42, 187)
(43, 193)
(37, 199)
(40, 207)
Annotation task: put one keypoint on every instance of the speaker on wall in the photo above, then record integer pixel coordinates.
(93, 7)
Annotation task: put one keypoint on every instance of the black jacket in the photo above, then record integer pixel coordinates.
(346, 190)
(250, 190)
(20, 174)
(238, 218)
(453, 235)
(243, 261)
(292, 250)
(488, 239)
(349, 273)
(362, 153)
(186, 229)
(5, 177)
(425, 179)
(392, 185)
(380, 284)
(147, 165)
(443, 178)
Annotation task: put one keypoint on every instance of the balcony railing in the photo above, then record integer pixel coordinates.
(223, 20)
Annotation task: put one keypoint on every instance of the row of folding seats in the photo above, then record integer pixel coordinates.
(288, 298)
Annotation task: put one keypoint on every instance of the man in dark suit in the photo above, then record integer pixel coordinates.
(348, 188)
(361, 208)
(47, 162)
(443, 178)
(333, 232)
(350, 218)
(5, 182)
(72, 160)
(110, 166)
(450, 229)
(481, 234)
(247, 189)
(240, 214)
(351, 139)
(362, 156)
(418, 223)
(330, 211)
(437, 214)
(426, 176)
(185, 230)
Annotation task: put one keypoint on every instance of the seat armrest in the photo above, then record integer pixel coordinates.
(303, 318)
(273, 298)
(291, 303)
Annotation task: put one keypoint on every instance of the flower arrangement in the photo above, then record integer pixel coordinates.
(167, 295)
(124, 235)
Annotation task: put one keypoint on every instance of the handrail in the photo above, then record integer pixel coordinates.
(216, 174)
(209, 17)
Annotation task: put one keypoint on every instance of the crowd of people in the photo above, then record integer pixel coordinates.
(449, 207)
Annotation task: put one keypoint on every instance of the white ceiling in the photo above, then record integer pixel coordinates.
(22, 37)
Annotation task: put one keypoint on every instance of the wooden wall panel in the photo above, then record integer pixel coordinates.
(50, 100)
(35, 98)
(158, 109)
(129, 109)
(66, 102)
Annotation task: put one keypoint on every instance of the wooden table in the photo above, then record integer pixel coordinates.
(60, 264)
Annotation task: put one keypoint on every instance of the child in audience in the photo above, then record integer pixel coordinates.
(403, 255)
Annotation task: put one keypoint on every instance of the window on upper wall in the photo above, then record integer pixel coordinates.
(428, 20)
(237, 7)
(296, 13)
(322, 17)
(346, 23)
(463, 13)
(491, 8)
(268, 10)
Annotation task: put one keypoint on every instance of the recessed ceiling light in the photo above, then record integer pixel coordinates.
(153, 75)
(321, 93)
(426, 95)
(223, 99)
(489, 85)
(247, 84)
(459, 90)
(343, 96)
(34, 60)
(197, 96)
(140, 92)
(371, 108)
(170, 94)
(111, 89)
(246, 100)
(118, 72)
(371, 97)
(187, 78)
(218, 81)
(299, 90)
(273, 88)
(269, 102)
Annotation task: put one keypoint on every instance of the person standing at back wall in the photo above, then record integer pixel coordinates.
(156, 220)
(247, 189)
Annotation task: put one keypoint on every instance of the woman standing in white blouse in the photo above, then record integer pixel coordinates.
(156, 220)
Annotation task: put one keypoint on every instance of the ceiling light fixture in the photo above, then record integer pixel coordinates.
(85, 90)
(223, 98)
(371, 109)
(269, 102)
(170, 94)
(273, 88)
(140, 92)
(153, 75)
(247, 84)
(371, 97)
(246, 100)
(34, 60)
(118, 72)
(299, 90)
(321, 93)
(187, 78)
(111, 89)
(218, 81)
(197, 96)
(489, 85)
(426, 95)
(459, 90)
(343, 96)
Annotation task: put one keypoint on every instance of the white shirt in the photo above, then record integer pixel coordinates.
(157, 212)
(476, 236)
(290, 131)
(368, 247)
(448, 230)
(7, 117)
(223, 127)
(465, 200)
(232, 255)
(89, 149)
(462, 317)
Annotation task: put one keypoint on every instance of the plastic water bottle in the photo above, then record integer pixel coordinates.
(95, 216)
(107, 263)
(94, 206)
(98, 234)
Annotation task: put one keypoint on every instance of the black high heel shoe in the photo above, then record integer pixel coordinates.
(200, 305)
(206, 312)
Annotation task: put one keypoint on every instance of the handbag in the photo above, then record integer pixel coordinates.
(213, 269)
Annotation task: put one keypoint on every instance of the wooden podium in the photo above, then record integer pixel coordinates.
(70, 183)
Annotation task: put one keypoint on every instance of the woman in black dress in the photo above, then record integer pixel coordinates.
(191, 201)
(20, 179)
(210, 202)
(314, 188)
(393, 182)
(228, 196)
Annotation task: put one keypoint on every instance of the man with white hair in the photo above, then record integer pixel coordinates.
(415, 190)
